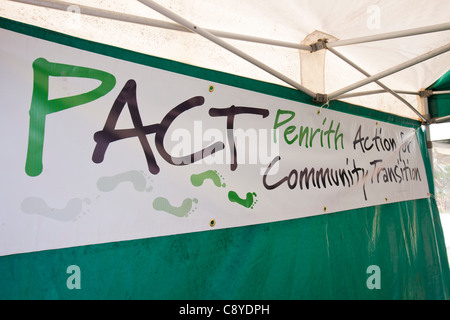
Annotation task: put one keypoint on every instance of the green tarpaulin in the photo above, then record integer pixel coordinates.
(439, 104)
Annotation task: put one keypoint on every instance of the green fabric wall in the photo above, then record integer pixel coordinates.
(439, 105)
(323, 257)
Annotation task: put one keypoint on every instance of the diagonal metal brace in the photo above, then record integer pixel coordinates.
(208, 35)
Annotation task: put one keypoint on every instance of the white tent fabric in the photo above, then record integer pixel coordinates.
(289, 21)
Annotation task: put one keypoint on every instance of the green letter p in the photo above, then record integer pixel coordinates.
(41, 106)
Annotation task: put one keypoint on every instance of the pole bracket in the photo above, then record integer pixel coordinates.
(426, 93)
(319, 45)
(321, 98)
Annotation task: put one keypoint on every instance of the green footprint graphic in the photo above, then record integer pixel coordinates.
(137, 178)
(198, 179)
(162, 204)
(248, 202)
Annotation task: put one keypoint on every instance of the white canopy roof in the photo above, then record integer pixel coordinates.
(290, 22)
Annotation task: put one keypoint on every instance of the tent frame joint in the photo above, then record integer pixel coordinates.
(319, 45)
(321, 98)
(426, 93)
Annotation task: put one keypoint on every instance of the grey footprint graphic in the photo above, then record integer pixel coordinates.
(36, 205)
(135, 177)
(187, 206)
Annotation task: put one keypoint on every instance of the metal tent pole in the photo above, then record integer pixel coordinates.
(391, 35)
(204, 33)
(369, 92)
(96, 12)
(100, 13)
(428, 134)
(441, 92)
(441, 119)
(342, 57)
(390, 71)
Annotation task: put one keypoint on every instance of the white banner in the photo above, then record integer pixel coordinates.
(97, 149)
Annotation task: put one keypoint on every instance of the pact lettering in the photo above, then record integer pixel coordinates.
(41, 106)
